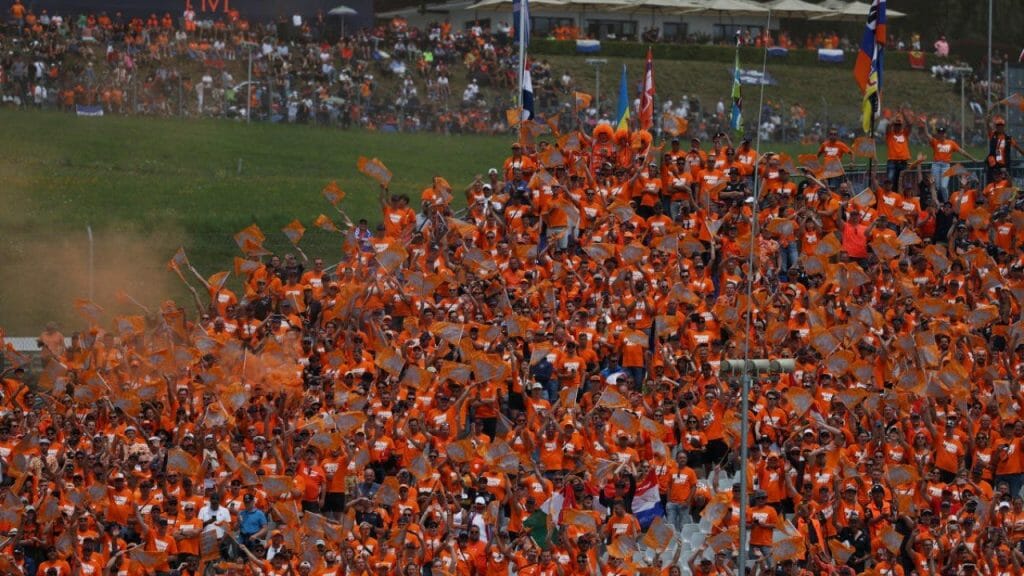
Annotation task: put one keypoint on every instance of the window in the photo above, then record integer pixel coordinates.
(544, 25)
(609, 29)
(674, 32)
(728, 31)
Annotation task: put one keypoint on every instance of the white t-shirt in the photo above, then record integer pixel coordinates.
(221, 518)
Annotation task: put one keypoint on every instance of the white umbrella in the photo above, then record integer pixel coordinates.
(600, 3)
(663, 6)
(677, 7)
(797, 9)
(342, 11)
(851, 12)
(506, 5)
(730, 7)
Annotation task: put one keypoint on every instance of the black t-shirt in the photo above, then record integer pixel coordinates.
(261, 307)
(944, 221)
(372, 518)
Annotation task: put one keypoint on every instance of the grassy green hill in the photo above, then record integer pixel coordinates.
(147, 186)
(825, 91)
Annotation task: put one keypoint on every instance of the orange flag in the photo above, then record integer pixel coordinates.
(277, 486)
(1014, 100)
(488, 367)
(570, 142)
(583, 100)
(461, 227)
(179, 261)
(674, 125)
(218, 279)
(542, 178)
(789, 549)
(416, 377)
(659, 535)
(13, 358)
(182, 462)
(955, 171)
(833, 168)
(324, 223)
(892, 540)
(245, 267)
(864, 147)
(389, 361)
(375, 169)
(840, 551)
(89, 310)
(392, 257)
(512, 116)
(610, 398)
(579, 519)
(250, 248)
(209, 547)
(349, 422)
(551, 157)
(130, 325)
(148, 560)
(333, 193)
(449, 331)
(294, 231)
(461, 451)
(249, 238)
(455, 372)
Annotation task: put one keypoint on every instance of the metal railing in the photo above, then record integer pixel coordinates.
(858, 175)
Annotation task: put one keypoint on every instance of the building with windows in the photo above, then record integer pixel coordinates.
(674, 20)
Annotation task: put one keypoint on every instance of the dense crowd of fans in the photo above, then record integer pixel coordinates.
(391, 77)
(533, 383)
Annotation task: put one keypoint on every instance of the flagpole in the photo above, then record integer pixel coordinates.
(746, 383)
(736, 119)
(522, 51)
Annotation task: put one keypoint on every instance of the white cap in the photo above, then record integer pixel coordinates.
(479, 500)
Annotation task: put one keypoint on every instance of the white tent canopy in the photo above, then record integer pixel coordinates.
(796, 9)
(506, 5)
(730, 7)
(342, 11)
(663, 6)
(851, 11)
(600, 4)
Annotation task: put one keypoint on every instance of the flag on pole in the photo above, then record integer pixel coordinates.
(521, 20)
(622, 115)
(868, 69)
(736, 121)
(527, 93)
(647, 500)
(647, 94)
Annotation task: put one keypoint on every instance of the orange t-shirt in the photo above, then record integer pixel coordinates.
(898, 143)
(943, 149)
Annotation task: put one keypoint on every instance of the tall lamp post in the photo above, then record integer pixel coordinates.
(597, 63)
(746, 370)
(988, 97)
(963, 73)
